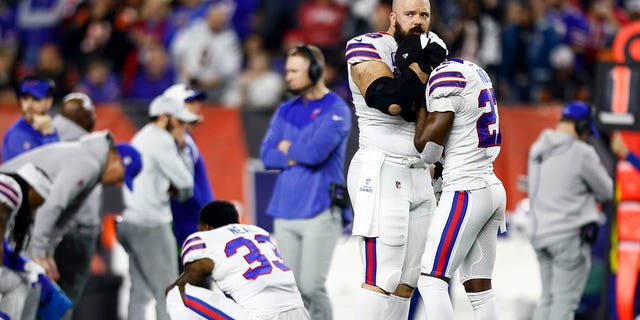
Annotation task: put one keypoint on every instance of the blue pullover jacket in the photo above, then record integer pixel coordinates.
(23, 137)
(318, 132)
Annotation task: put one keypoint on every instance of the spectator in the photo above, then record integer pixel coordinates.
(208, 55)
(50, 65)
(34, 128)
(566, 177)
(306, 141)
(99, 82)
(261, 88)
(154, 75)
(321, 23)
(38, 22)
(145, 229)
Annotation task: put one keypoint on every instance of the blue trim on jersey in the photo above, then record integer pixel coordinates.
(448, 84)
(196, 247)
(455, 74)
(359, 53)
(360, 45)
(186, 243)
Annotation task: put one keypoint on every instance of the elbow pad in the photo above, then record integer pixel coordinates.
(402, 90)
(432, 152)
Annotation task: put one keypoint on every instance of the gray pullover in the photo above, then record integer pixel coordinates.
(74, 168)
(88, 218)
(566, 178)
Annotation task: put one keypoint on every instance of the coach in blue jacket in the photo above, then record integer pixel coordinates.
(35, 127)
(307, 140)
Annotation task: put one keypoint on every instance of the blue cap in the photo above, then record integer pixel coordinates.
(578, 110)
(132, 162)
(36, 88)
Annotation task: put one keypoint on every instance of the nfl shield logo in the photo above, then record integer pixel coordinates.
(398, 185)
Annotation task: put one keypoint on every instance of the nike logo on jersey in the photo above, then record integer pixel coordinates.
(336, 117)
(358, 40)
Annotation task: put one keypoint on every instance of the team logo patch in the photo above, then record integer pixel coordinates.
(398, 185)
(367, 186)
(314, 113)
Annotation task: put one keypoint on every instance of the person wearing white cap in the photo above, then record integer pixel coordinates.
(145, 228)
(75, 168)
(21, 193)
(185, 214)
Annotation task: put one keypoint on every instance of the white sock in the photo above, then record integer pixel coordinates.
(484, 305)
(397, 308)
(435, 297)
(371, 305)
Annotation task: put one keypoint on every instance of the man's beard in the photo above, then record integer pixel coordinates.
(400, 34)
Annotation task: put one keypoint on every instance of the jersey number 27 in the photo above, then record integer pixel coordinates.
(487, 126)
(256, 255)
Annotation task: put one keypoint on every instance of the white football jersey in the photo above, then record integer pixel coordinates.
(378, 131)
(474, 141)
(248, 267)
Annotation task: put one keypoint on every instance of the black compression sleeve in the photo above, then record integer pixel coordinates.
(402, 90)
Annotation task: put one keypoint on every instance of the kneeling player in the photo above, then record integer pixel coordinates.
(244, 264)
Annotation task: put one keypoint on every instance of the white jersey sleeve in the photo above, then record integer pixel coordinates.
(193, 249)
(378, 131)
(445, 82)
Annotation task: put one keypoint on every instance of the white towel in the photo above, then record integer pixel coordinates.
(366, 213)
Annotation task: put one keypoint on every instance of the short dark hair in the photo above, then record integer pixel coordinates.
(219, 213)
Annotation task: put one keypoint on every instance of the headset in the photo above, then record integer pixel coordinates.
(315, 69)
(583, 125)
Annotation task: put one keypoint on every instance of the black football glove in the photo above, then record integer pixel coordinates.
(428, 57)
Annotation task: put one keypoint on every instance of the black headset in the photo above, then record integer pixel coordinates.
(583, 125)
(315, 69)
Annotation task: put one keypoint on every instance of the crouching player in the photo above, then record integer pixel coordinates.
(243, 263)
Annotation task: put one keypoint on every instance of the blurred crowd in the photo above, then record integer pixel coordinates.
(536, 51)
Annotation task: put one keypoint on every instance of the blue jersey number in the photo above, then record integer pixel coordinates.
(254, 255)
(488, 137)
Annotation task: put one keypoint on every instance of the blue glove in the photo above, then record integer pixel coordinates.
(53, 302)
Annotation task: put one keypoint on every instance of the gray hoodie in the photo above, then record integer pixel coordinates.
(566, 178)
(74, 168)
(88, 218)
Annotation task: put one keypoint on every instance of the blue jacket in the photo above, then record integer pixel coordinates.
(318, 133)
(185, 214)
(22, 137)
(633, 159)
